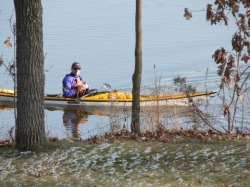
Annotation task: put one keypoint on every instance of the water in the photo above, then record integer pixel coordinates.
(63, 122)
(101, 35)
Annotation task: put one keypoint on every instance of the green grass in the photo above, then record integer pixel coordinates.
(129, 163)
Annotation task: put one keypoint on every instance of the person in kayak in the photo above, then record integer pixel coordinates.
(73, 83)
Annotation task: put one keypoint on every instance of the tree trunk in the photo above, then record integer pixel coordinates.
(30, 131)
(135, 126)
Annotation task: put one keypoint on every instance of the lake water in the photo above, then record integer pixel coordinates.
(101, 36)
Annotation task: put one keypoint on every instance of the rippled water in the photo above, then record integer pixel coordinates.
(101, 35)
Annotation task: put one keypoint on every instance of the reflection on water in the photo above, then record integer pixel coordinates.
(62, 122)
(83, 123)
(73, 119)
(76, 122)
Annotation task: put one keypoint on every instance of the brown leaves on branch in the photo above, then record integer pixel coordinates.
(237, 42)
(246, 3)
(245, 58)
(242, 24)
(240, 43)
(229, 68)
(8, 42)
(210, 13)
(226, 65)
(218, 16)
(220, 57)
(220, 10)
(232, 72)
(187, 14)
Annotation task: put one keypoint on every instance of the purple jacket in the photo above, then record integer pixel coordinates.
(68, 85)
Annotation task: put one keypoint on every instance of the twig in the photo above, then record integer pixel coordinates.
(199, 113)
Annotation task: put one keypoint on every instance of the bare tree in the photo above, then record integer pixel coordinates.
(135, 126)
(30, 131)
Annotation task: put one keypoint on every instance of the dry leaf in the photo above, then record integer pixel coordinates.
(8, 42)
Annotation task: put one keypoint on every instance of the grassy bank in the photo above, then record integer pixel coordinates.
(129, 163)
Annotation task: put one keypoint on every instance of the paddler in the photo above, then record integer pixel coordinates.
(73, 83)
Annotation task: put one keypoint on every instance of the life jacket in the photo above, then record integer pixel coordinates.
(68, 83)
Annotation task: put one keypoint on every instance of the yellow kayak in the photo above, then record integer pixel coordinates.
(114, 98)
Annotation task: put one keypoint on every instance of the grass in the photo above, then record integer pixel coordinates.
(129, 163)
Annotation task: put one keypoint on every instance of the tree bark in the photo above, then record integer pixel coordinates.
(135, 126)
(30, 131)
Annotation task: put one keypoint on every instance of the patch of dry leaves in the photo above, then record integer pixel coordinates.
(168, 136)
(161, 136)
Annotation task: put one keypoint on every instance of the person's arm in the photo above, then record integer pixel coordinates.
(85, 84)
(69, 89)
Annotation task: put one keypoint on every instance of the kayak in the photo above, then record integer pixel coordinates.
(113, 98)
